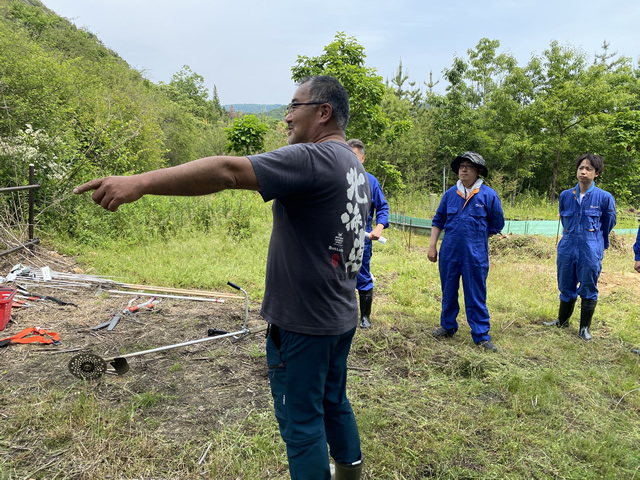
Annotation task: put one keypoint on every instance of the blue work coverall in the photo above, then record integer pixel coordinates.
(636, 246)
(380, 206)
(585, 236)
(464, 252)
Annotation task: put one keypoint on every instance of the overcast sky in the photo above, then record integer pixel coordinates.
(247, 47)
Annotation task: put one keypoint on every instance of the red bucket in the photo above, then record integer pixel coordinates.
(6, 299)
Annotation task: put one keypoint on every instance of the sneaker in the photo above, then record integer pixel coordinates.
(636, 351)
(441, 332)
(487, 345)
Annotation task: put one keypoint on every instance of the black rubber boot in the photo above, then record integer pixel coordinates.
(586, 315)
(564, 313)
(345, 471)
(366, 299)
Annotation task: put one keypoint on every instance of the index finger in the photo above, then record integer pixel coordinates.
(92, 185)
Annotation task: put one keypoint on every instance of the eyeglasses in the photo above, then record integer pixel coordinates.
(292, 106)
(466, 166)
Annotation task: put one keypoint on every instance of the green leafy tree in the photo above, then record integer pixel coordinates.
(453, 115)
(344, 59)
(246, 135)
(403, 158)
(187, 88)
(622, 154)
(217, 108)
(507, 121)
(568, 96)
(404, 88)
(487, 69)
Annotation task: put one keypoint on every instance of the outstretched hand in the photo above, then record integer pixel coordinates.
(111, 192)
(637, 266)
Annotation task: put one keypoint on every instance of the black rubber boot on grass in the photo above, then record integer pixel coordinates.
(587, 309)
(345, 471)
(366, 300)
(564, 313)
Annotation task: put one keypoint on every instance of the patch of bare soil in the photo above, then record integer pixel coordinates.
(201, 385)
(609, 282)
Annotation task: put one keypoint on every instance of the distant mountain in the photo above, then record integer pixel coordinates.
(249, 108)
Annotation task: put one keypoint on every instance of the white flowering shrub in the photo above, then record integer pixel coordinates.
(35, 147)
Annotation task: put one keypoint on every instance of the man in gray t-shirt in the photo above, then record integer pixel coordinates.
(317, 240)
(322, 199)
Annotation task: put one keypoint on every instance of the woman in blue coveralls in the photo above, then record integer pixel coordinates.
(588, 215)
(379, 206)
(469, 213)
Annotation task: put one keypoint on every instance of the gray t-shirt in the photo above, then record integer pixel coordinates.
(322, 199)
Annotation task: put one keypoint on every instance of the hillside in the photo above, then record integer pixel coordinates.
(77, 110)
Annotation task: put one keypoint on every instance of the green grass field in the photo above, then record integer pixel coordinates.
(547, 405)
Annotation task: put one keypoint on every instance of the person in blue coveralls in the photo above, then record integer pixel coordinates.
(379, 208)
(588, 215)
(636, 251)
(469, 213)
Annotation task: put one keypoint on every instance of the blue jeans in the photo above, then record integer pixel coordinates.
(308, 376)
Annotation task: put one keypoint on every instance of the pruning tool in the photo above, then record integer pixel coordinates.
(130, 309)
(109, 324)
(17, 303)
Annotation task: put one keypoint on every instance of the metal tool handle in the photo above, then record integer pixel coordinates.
(246, 303)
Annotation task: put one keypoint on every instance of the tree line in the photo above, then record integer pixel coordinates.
(529, 122)
(77, 110)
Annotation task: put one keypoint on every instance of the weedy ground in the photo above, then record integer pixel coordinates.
(546, 405)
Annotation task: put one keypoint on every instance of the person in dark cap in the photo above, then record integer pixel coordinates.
(469, 213)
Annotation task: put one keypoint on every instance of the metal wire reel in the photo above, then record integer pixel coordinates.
(87, 366)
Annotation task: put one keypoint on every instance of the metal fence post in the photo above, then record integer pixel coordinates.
(31, 196)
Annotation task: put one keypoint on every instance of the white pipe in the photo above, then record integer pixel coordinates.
(177, 297)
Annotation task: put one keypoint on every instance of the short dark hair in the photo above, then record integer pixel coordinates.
(597, 161)
(355, 143)
(329, 90)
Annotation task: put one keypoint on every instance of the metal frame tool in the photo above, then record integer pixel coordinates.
(88, 366)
